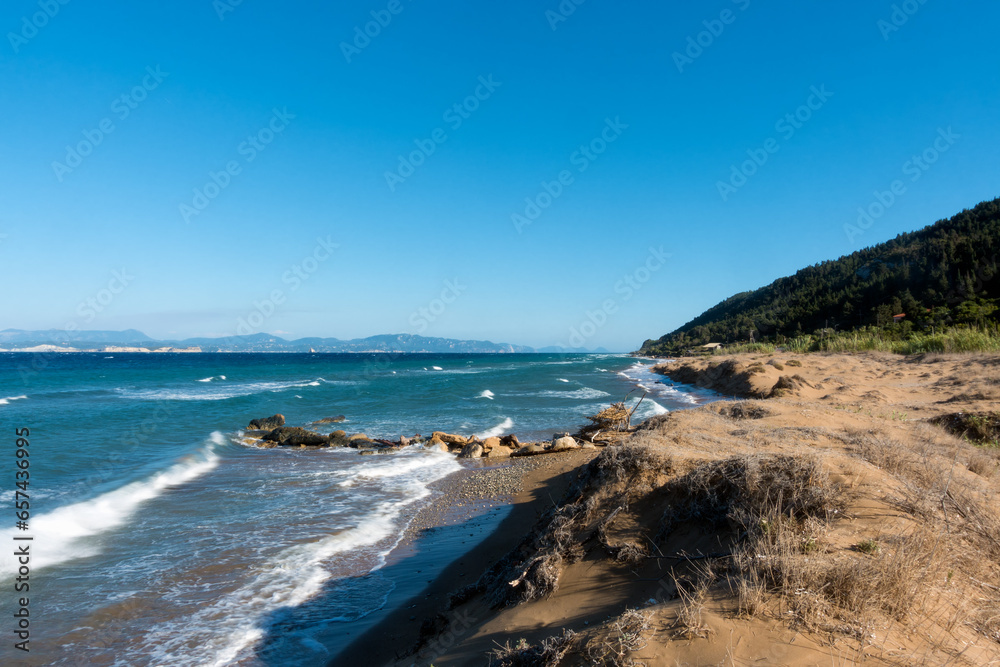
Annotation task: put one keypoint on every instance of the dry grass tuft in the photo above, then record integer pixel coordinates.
(631, 461)
(983, 464)
(743, 490)
(625, 635)
(745, 410)
(981, 428)
(533, 569)
(689, 622)
(549, 653)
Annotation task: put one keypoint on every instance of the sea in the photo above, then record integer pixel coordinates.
(160, 537)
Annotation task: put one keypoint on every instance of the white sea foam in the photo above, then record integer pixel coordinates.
(563, 380)
(497, 430)
(487, 394)
(437, 368)
(226, 631)
(208, 379)
(583, 394)
(215, 392)
(63, 531)
(5, 401)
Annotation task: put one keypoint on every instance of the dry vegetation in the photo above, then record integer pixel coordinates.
(850, 517)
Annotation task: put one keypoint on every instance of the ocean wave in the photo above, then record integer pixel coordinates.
(497, 430)
(226, 631)
(216, 393)
(62, 530)
(487, 394)
(649, 408)
(403, 467)
(584, 394)
(561, 380)
(5, 401)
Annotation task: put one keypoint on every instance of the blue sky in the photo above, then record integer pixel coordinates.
(642, 109)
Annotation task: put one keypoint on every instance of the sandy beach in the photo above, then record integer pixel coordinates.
(837, 516)
(522, 488)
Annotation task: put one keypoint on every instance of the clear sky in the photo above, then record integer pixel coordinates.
(272, 158)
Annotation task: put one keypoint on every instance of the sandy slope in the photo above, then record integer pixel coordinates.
(856, 427)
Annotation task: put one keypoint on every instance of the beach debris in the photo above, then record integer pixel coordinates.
(617, 419)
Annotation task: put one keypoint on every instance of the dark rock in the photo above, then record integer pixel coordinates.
(358, 440)
(295, 436)
(339, 439)
(510, 441)
(331, 420)
(267, 424)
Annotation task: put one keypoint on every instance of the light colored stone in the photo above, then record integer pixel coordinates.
(529, 450)
(473, 450)
(563, 444)
(490, 443)
(499, 452)
(451, 439)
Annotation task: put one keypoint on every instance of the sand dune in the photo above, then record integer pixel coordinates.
(831, 523)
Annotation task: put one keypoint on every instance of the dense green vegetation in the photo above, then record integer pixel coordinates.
(945, 278)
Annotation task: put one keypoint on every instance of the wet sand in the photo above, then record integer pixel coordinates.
(482, 514)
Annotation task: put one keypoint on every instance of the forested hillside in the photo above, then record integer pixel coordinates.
(942, 275)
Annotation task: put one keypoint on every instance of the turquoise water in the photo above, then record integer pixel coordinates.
(159, 538)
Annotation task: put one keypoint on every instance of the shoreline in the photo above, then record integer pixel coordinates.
(498, 504)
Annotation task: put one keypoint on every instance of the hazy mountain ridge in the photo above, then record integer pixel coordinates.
(406, 343)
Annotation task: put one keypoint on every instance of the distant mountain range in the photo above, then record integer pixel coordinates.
(131, 338)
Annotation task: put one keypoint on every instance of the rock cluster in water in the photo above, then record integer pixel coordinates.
(272, 432)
